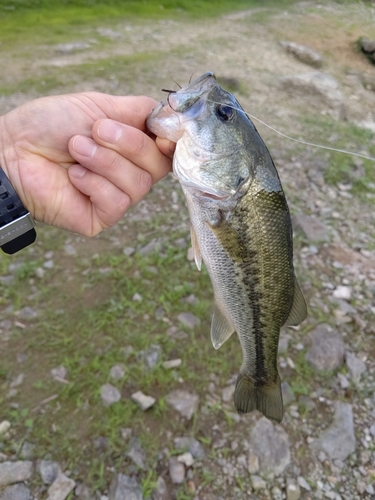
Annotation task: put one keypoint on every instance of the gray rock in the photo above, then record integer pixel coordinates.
(150, 248)
(228, 392)
(143, 401)
(152, 355)
(136, 453)
(253, 464)
(109, 394)
(176, 471)
(258, 483)
(189, 320)
(190, 444)
(293, 491)
(338, 441)
(5, 425)
(15, 472)
(48, 471)
(172, 363)
(16, 492)
(58, 373)
(288, 394)
(318, 85)
(303, 53)
(61, 487)
(312, 228)
(271, 445)
(124, 488)
(355, 366)
(327, 348)
(69, 48)
(70, 250)
(303, 483)
(28, 313)
(117, 372)
(83, 492)
(161, 490)
(185, 403)
(367, 45)
(27, 451)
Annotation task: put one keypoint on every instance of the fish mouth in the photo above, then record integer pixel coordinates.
(185, 98)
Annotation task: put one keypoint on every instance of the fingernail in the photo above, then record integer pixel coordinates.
(109, 131)
(84, 146)
(77, 171)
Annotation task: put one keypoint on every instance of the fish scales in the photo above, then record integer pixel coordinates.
(241, 229)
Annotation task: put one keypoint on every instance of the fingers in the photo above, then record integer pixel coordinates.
(105, 162)
(108, 202)
(134, 145)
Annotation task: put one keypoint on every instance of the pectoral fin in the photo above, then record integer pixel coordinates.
(195, 247)
(299, 309)
(221, 329)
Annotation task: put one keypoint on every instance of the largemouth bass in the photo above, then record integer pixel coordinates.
(240, 228)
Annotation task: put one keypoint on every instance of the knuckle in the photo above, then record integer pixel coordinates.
(138, 146)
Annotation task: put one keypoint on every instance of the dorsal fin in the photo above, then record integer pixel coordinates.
(221, 329)
(299, 309)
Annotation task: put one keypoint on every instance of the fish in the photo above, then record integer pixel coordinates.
(240, 229)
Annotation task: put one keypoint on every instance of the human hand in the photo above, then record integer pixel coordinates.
(78, 161)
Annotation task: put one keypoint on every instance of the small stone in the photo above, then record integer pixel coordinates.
(152, 247)
(344, 383)
(303, 483)
(172, 363)
(101, 443)
(83, 492)
(28, 313)
(109, 394)
(39, 273)
(327, 348)
(16, 492)
(253, 464)
(338, 441)
(61, 487)
(258, 483)
(59, 373)
(152, 355)
(4, 426)
(311, 227)
(355, 366)
(136, 453)
(186, 459)
(143, 401)
(342, 292)
(190, 444)
(17, 381)
(48, 264)
(128, 251)
(303, 53)
(288, 394)
(48, 471)
(185, 403)
(126, 433)
(117, 372)
(27, 451)
(15, 472)
(160, 491)
(189, 320)
(271, 444)
(293, 491)
(124, 488)
(228, 392)
(137, 297)
(176, 471)
(70, 250)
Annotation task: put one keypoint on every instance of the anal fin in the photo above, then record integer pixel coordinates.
(298, 311)
(221, 329)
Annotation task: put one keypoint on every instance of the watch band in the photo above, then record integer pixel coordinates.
(16, 224)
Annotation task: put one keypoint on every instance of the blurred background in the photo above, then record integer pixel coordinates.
(88, 324)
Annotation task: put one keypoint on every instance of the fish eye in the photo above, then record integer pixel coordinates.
(225, 112)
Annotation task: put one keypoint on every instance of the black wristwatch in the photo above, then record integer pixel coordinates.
(16, 224)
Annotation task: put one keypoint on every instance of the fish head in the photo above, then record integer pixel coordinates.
(212, 132)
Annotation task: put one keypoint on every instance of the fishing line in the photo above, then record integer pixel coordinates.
(293, 138)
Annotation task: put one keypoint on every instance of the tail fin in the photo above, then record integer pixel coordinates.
(266, 398)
